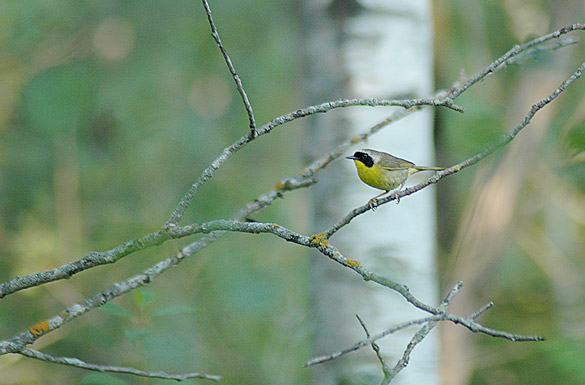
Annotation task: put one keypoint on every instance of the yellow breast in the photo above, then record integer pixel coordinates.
(380, 178)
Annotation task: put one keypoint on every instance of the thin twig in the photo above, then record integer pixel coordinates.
(232, 69)
(402, 363)
(75, 362)
(18, 342)
(375, 347)
(481, 310)
(553, 46)
(419, 337)
(430, 323)
(369, 341)
(452, 293)
(515, 51)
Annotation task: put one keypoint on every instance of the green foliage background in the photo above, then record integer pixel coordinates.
(109, 110)
(528, 227)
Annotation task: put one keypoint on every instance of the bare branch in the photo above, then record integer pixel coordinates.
(419, 336)
(403, 361)
(232, 69)
(552, 46)
(481, 310)
(498, 143)
(369, 341)
(75, 362)
(452, 293)
(99, 258)
(188, 198)
(214, 229)
(92, 259)
(319, 242)
(446, 101)
(217, 228)
(18, 342)
(515, 51)
(376, 348)
(430, 323)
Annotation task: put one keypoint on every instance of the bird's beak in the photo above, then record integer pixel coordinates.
(351, 157)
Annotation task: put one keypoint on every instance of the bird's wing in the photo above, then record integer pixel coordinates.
(394, 163)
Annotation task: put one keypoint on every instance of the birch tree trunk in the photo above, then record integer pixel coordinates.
(377, 49)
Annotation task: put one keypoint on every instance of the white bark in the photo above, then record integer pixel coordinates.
(384, 50)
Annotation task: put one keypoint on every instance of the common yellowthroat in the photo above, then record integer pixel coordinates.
(384, 171)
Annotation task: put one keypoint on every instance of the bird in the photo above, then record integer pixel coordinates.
(384, 171)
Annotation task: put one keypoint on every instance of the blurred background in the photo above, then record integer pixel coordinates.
(109, 110)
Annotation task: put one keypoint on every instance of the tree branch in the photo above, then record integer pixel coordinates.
(418, 337)
(214, 229)
(430, 323)
(188, 198)
(498, 143)
(75, 362)
(501, 62)
(94, 259)
(369, 341)
(232, 69)
(376, 349)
